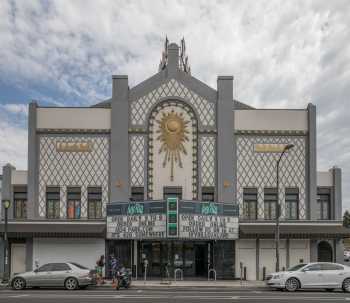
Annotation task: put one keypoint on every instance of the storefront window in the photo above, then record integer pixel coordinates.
(323, 204)
(270, 203)
(53, 202)
(172, 191)
(20, 202)
(137, 194)
(73, 202)
(208, 194)
(292, 204)
(95, 202)
(250, 203)
(189, 259)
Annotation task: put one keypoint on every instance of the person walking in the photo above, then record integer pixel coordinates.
(100, 263)
(114, 271)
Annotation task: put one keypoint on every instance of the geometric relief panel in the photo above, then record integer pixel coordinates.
(172, 155)
(207, 145)
(258, 170)
(141, 107)
(137, 160)
(73, 168)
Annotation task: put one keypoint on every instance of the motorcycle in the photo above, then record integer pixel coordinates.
(123, 278)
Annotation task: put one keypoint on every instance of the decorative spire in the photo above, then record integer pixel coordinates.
(184, 64)
(183, 58)
(164, 60)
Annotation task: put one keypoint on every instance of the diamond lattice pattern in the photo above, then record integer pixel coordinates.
(207, 144)
(137, 158)
(141, 107)
(65, 169)
(259, 169)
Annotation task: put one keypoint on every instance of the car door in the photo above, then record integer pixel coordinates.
(41, 276)
(332, 274)
(311, 276)
(60, 271)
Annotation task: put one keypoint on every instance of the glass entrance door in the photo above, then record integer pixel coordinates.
(201, 259)
(190, 256)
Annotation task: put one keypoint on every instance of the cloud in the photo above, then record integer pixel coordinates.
(13, 145)
(281, 53)
(18, 109)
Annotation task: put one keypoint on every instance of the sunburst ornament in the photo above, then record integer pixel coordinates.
(173, 135)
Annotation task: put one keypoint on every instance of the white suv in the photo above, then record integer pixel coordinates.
(313, 275)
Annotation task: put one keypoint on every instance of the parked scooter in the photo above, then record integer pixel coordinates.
(123, 278)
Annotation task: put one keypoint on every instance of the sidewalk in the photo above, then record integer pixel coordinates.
(189, 283)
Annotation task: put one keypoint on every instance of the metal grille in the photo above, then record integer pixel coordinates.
(81, 169)
(141, 107)
(259, 169)
(207, 144)
(137, 158)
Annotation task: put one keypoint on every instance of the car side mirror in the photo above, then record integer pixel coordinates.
(36, 270)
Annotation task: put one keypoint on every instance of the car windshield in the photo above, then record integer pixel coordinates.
(78, 265)
(296, 267)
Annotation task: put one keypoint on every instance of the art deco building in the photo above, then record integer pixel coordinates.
(175, 172)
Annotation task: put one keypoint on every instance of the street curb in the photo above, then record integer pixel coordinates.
(175, 285)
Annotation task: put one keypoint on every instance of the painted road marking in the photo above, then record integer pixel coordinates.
(198, 297)
(19, 296)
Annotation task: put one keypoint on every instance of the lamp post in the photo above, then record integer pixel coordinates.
(278, 208)
(6, 204)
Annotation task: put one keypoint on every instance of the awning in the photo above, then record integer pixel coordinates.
(59, 228)
(294, 230)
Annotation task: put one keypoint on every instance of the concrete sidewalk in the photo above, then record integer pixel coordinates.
(193, 283)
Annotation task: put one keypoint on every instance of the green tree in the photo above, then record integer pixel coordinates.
(346, 219)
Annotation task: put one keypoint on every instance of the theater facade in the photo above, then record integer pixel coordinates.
(174, 174)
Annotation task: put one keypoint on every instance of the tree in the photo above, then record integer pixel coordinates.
(346, 219)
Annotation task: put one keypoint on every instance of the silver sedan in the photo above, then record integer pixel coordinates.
(69, 275)
(312, 275)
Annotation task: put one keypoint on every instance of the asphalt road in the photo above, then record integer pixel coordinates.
(187, 295)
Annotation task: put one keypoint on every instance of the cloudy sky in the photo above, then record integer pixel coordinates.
(281, 53)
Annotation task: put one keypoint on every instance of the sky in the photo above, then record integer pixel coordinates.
(282, 54)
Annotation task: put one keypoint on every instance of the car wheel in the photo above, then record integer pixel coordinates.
(71, 284)
(346, 285)
(329, 289)
(292, 284)
(18, 283)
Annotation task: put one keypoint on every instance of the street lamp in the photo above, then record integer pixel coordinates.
(6, 204)
(278, 208)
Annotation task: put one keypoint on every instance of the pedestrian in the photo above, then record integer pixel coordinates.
(114, 270)
(100, 263)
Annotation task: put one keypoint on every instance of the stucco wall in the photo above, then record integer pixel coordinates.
(73, 118)
(19, 177)
(246, 252)
(269, 119)
(324, 178)
(82, 251)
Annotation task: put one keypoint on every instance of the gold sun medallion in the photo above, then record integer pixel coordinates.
(173, 135)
